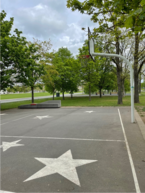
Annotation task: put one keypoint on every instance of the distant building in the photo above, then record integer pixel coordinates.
(3, 92)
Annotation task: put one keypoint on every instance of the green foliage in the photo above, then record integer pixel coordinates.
(43, 48)
(17, 88)
(86, 89)
(127, 85)
(88, 70)
(143, 85)
(9, 45)
(29, 70)
(111, 17)
(50, 79)
(107, 75)
(68, 70)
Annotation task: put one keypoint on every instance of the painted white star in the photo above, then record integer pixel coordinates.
(2, 191)
(90, 111)
(64, 165)
(7, 145)
(42, 117)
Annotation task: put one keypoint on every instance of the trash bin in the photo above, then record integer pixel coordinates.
(57, 94)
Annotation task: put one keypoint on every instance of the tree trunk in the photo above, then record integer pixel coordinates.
(71, 94)
(63, 95)
(100, 92)
(53, 95)
(32, 90)
(89, 92)
(119, 73)
(123, 88)
(139, 83)
(136, 90)
(119, 83)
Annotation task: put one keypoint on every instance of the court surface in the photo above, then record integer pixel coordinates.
(71, 150)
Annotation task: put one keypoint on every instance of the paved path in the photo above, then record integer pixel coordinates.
(29, 98)
(43, 97)
(71, 150)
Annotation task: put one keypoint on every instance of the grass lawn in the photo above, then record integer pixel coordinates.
(23, 95)
(81, 101)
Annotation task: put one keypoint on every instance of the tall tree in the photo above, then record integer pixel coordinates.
(6, 68)
(51, 79)
(107, 77)
(43, 49)
(60, 61)
(103, 13)
(132, 12)
(28, 70)
(74, 75)
(88, 70)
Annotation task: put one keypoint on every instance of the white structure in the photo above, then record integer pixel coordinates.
(92, 53)
(3, 92)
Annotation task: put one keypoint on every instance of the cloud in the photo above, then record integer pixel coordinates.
(49, 19)
(40, 20)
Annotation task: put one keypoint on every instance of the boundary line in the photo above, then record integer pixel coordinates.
(4, 123)
(23, 117)
(130, 157)
(75, 139)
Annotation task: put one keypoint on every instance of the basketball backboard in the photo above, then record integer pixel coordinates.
(91, 44)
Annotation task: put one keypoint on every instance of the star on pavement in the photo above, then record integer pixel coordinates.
(64, 165)
(7, 145)
(90, 111)
(2, 191)
(42, 117)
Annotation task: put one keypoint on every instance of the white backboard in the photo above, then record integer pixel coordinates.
(91, 44)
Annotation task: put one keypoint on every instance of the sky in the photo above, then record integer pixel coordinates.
(49, 19)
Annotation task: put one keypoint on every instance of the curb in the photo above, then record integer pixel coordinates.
(140, 123)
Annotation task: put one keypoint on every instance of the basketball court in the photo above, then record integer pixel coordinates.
(71, 150)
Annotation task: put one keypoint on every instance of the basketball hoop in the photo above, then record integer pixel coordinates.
(84, 58)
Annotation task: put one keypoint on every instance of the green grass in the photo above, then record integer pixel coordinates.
(23, 95)
(81, 101)
(104, 101)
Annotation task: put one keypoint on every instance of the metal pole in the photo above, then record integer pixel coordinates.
(132, 95)
(131, 78)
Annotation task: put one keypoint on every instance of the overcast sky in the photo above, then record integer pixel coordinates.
(49, 19)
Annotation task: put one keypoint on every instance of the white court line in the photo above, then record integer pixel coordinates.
(19, 119)
(130, 157)
(77, 139)
(22, 117)
(4, 123)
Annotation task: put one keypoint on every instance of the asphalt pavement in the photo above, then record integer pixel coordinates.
(71, 150)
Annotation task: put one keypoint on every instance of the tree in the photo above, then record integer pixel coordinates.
(43, 48)
(74, 75)
(88, 70)
(61, 61)
(86, 88)
(103, 13)
(111, 16)
(106, 75)
(28, 70)
(127, 85)
(50, 79)
(132, 11)
(6, 69)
